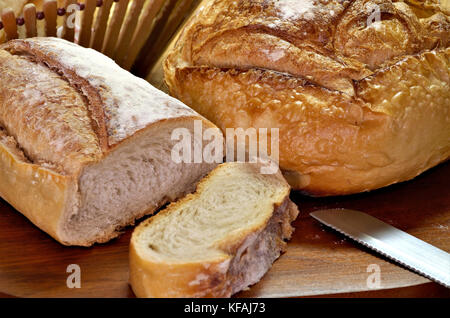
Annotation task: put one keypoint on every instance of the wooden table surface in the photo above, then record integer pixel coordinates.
(318, 262)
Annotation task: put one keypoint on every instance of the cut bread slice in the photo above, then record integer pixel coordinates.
(217, 241)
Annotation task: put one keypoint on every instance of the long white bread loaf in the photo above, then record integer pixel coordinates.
(217, 241)
(85, 146)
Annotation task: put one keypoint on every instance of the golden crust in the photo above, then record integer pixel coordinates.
(150, 280)
(52, 124)
(340, 132)
(43, 193)
(91, 102)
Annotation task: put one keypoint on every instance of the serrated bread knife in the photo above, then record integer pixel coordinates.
(385, 239)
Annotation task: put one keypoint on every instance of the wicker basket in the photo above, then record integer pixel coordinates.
(134, 33)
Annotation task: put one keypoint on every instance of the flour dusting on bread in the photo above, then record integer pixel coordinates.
(131, 103)
(295, 9)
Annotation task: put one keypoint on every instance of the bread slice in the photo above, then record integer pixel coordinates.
(217, 241)
(85, 146)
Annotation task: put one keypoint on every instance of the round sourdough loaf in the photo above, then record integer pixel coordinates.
(358, 89)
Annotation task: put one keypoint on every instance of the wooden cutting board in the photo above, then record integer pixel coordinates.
(317, 262)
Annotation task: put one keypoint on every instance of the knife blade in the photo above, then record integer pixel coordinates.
(401, 247)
